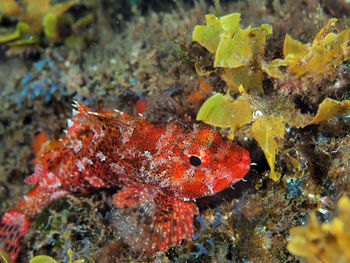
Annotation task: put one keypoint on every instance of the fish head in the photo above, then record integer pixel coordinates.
(209, 162)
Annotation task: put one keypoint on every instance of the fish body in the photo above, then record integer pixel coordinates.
(161, 168)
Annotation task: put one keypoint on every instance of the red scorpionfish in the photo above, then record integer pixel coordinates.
(161, 168)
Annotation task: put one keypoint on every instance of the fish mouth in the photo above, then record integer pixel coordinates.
(234, 173)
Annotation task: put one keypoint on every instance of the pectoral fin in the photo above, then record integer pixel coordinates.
(150, 220)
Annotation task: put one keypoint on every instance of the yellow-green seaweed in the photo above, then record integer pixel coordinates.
(34, 18)
(221, 111)
(265, 131)
(327, 242)
(2, 256)
(328, 50)
(47, 259)
(236, 50)
(43, 259)
(330, 107)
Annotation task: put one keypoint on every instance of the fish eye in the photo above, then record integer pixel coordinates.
(195, 160)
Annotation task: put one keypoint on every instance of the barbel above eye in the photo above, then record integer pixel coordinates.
(195, 160)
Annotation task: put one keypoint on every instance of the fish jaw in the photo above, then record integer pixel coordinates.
(236, 170)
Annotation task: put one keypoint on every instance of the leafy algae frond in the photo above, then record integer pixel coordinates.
(34, 16)
(328, 50)
(2, 256)
(237, 51)
(329, 107)
(220, 110)
(239, 61)
(47, 259)
(327, 242)
(266, 131)
(37, 21)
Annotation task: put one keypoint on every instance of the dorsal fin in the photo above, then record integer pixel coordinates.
(86, 116)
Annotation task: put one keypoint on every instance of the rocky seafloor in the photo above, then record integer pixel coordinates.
(140, 53)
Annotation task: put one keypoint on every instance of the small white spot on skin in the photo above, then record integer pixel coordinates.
(148, 155)
(210, 188)
(50, 181)
(117, 168)
(101, 156)
(58, 194)
(98, 135)
(132, 152)
(189, 173)
(126, 133)
(82, 163)
(77, 145)
(158, 162)
(165, 182)
(95, 181)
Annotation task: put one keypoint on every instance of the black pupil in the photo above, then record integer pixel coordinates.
(195, 161)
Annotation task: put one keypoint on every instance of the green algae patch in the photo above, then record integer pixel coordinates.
(21, 28)
(236, 50)
(240, 62)
(43, 259)
(10, 7)
(209, 36)
(328, 50)
(330, 107)
(266, 131)
(47, 259)
(232, 45)
(36, 21)
(241, 47)
(221, 111)
(323, 242)
(243, 76)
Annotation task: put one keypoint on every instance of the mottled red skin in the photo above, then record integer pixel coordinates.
(150, 161)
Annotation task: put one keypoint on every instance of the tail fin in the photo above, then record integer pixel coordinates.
(13, 227)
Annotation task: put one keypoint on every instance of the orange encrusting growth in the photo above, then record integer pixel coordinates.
(43, 144)
(198, 96)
